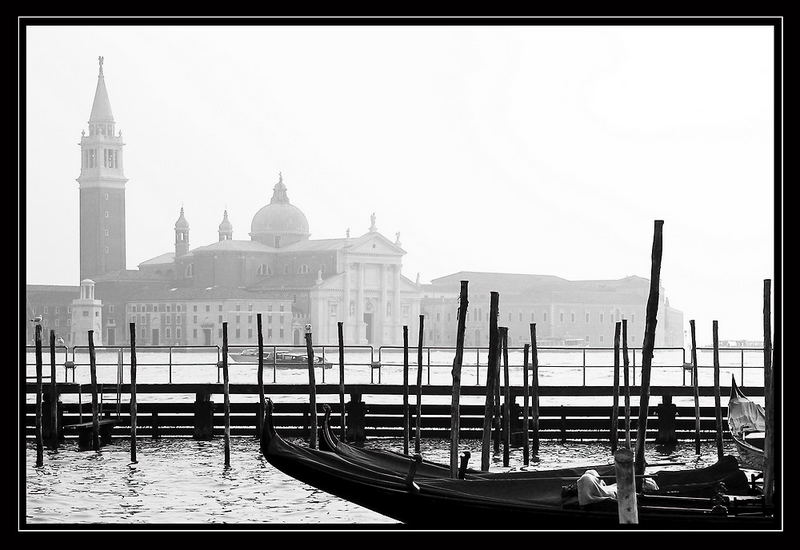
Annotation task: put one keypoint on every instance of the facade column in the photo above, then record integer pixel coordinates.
(396, 335)
(382, 309)
(360, 336)
(345, 315)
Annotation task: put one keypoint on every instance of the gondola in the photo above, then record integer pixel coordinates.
(698, 483)
(542, 502)
(746, 423)
(399, 463)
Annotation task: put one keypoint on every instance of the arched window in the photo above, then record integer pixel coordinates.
(352, 307)
(189, 270)
(303, 269)
(263, 269)
(388, 309)
(286, 270)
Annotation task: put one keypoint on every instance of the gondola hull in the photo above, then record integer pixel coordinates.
(497, 503)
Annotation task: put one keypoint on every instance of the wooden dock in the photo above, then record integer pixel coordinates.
(203, 417)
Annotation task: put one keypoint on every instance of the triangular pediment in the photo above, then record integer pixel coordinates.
(375, 243)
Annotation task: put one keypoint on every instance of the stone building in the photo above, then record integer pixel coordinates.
(579, 313)
(355, 280)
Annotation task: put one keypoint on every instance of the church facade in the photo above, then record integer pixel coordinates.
(184, 296)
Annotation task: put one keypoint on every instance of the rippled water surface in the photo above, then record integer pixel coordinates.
(183, 481)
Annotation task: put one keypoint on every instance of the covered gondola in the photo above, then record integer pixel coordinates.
(546, 501)
(746, 423)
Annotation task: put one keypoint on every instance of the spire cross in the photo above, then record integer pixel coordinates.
(100, 60)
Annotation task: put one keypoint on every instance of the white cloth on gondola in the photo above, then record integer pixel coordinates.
(593, 489)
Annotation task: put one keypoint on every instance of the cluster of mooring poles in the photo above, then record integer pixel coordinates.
(629, 463)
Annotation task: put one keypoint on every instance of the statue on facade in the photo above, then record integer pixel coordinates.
(372, 226)
(397, 238)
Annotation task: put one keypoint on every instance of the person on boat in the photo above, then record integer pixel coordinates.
(591, 488)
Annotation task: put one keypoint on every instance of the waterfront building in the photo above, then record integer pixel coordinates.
(566, 313)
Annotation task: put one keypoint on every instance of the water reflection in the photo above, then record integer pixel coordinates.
(184, 481)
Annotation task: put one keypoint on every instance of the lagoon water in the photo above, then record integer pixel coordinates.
(184, 482)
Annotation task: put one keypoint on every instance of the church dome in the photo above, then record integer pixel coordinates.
(279, 223)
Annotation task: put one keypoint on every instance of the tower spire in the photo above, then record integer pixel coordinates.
(101, 107)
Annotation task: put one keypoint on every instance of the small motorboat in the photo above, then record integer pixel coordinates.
(279, 359)
(747, 422)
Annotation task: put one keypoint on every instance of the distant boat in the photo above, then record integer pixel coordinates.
(283, 359)
(746, 422)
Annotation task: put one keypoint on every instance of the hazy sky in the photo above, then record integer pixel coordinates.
(546, 150)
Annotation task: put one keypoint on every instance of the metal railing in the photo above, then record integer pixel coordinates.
(329, 355)
(413, 354)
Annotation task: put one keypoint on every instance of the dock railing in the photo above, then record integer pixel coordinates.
(436, 358)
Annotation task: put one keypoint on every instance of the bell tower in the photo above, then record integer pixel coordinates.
(102, 190)
(181, 236)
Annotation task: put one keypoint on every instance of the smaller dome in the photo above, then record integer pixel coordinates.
(87, 282)
(181, 223)
(225, 226)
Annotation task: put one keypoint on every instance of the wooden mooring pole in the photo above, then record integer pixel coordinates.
(496, 422)
(648, 344)
(717, 397)
(260, 376)
(506, 399)
(406, 410)
(93, 378)
(226, 393)
(312, 388)
(39, 441)
(343, 426)
(133, 392)
(534, 390)
(525, 410)
(494, 304)
(626, 487)
(696, 390)
(615, 401)
(53, 393)
(455, 417)
(626, 378)
(769, 399)
(418, 419)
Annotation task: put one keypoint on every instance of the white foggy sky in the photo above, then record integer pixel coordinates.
(523, 149)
